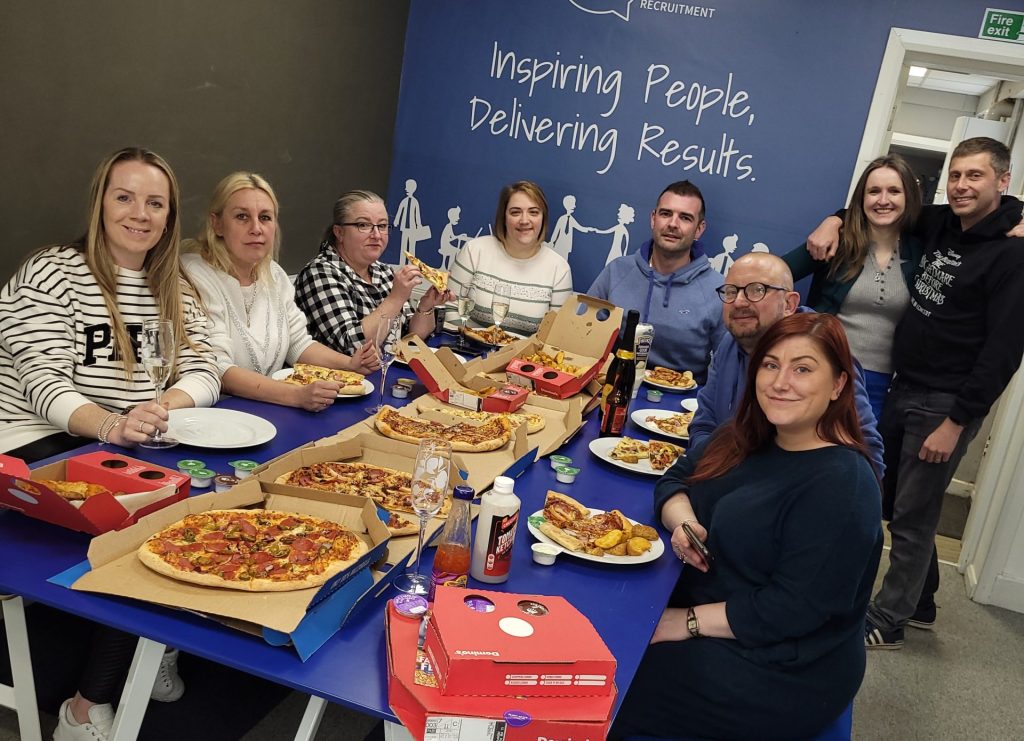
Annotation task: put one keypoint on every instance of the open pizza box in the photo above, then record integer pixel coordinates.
(146, 488)
(497, 706)
(306, 618)
(364, 448)
(562, 419)
(445, 377)
(482, 468)
(584, 329)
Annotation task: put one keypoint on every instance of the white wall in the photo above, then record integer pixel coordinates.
(931, 113)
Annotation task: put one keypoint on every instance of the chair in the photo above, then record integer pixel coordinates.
(21, 696)
(840, 730)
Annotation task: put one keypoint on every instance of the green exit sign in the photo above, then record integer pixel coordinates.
(1003, 25)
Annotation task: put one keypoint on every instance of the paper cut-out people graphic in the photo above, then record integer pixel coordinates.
(451, 242)
(561, 234)
(760, 247)
(620, 238)
(723, 260)
(407, 219)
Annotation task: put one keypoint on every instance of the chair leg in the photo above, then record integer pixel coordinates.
(24, 690)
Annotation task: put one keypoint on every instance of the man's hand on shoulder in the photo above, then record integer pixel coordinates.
(939, 446)
(824, 241)
(1017, 231)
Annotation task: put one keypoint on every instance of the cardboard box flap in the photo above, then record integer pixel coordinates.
(584, 324)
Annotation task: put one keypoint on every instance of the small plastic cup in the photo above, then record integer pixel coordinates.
(544, 554)
(399, 391)
(202, 478)
(190, 464)
(224, 482)
(243, 468)
(560, 460)
(566, 474)
(654, 395)
(410, 605)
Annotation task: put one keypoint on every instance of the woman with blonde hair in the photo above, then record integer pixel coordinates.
(70, 318)
(539, 279)
(257, 328)
(69, 366)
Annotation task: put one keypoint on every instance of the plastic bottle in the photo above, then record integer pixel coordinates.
(451, 562)
(495, 532)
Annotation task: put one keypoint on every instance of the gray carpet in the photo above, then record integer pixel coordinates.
(964, 680)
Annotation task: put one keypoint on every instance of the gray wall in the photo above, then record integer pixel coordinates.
(302, 91)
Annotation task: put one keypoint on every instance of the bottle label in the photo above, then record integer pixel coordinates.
(499, 544)
(445, 579)
(617, 420)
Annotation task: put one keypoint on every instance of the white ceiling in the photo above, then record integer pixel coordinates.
(953, 82)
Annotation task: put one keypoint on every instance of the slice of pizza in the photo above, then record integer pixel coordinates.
(398, 525)
(437, 278)
(562, 510)
(629, 450)
(534, 422)
(74, 490)
(668, 377)
(662, 454)
(491, 335)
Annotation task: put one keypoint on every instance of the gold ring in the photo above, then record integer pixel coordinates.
(141, 425)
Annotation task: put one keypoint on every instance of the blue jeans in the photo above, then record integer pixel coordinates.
(877, 385)
(912, 492)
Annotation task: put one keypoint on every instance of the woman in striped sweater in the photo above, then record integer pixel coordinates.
(70, 319)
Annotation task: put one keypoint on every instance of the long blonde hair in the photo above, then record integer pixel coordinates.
(163, 270)
(210, 245)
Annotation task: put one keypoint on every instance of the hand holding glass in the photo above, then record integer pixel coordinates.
(157, 348)
(429, 488)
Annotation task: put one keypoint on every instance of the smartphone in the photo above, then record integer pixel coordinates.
(698, 544)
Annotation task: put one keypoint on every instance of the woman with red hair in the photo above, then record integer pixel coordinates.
(764, 637)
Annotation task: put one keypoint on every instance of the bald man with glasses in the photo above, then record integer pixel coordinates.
(758, 292)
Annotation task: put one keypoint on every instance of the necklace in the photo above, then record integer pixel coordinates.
(880, 272)
(251, 299)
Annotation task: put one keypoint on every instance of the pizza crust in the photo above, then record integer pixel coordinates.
(499, 429)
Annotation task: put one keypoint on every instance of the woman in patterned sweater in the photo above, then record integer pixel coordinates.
(257, 328)
(539, 279)
(70, 319)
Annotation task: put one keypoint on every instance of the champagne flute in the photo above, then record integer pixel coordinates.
(429, 487)
(158, 349)
(499, 304)
(465, 307)
(386, 341)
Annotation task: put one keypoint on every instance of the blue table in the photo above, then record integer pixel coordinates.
(33, 551)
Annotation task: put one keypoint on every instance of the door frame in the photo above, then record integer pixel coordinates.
(996, 517)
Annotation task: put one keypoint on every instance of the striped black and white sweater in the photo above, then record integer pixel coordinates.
(57, 349)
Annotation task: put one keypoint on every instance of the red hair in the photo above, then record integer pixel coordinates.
(750, 429)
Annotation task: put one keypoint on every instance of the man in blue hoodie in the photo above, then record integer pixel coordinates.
(672, 284)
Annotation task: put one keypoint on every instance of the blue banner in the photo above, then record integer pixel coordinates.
(604, 102)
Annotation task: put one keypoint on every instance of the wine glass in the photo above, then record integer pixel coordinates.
(429, 487)
(465, 307)
(157, 350)
(388, 330)
(499, 304)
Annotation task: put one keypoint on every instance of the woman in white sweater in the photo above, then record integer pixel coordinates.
(70, 318)
(257, 328)
(539, 279)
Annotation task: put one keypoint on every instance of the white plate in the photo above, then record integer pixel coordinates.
(368, 386)
(218, 428)
(640, 417)
(666, 386)
(433, 349)
(602, 447)
(657, 546)
(689, 405)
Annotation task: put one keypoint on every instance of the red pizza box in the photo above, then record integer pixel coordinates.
(497, 643)
(442, 374)
(512, 717)
(146, 488)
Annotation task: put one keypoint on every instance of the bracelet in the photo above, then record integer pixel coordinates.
(107, 426)
(692, 624)
(425, 313)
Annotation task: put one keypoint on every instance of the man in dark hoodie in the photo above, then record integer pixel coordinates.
(672, 284)
(954, 352)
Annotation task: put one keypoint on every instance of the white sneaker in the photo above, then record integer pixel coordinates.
(101, 720)
(168, 685)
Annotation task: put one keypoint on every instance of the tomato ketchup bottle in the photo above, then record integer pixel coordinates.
(454, 551)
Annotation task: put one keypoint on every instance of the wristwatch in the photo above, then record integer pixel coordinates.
(692, 624)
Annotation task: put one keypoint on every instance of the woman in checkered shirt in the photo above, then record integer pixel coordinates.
(345, 290)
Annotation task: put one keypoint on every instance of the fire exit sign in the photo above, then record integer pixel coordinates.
(1003, 25)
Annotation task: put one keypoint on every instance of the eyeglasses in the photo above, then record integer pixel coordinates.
(753, 291)
(364, 227)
